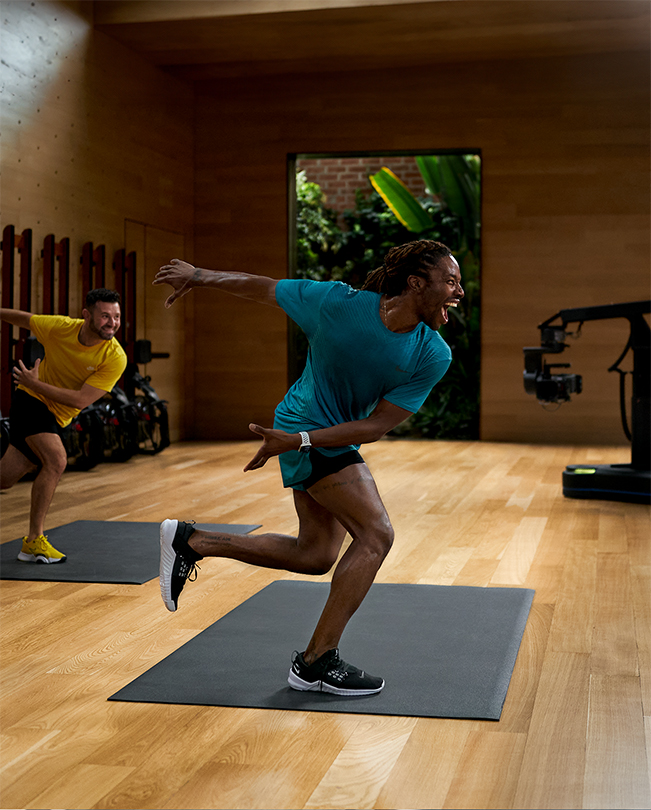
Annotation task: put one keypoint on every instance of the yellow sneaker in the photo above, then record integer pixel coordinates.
(40, 551)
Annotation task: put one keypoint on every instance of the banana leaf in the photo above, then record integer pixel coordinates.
(400, 200)
(455, 180)
(429, 169)
(453, 190)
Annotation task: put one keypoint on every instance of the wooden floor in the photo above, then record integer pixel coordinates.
(572, 733)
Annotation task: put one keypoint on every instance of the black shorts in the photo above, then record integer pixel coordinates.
(27, 417)
(327, 465)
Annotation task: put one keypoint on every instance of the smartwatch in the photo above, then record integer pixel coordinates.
(306, 444)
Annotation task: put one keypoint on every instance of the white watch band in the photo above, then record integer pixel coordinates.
(306, 444)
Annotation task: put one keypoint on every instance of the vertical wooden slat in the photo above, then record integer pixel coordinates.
(86, 270)
(24, 245)
(129, 305)
(48, 274)
(99, 261)
(7, 333)
(118, 268)
(62, 253)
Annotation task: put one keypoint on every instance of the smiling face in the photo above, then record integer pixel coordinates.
(438, 292)
(102, 319)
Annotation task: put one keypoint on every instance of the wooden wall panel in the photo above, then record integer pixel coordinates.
(565, 148)
(93, 137)
(169, 330)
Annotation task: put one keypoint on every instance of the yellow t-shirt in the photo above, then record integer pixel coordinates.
(70, 364)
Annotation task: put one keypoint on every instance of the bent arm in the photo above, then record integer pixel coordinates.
(183, 276)
(384, 418)
(80, 399)
(16, 317)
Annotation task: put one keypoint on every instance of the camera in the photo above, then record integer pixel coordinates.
(612, 482)
(548, 387)
(539, 379)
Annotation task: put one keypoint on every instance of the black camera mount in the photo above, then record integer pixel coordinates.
(619, 482)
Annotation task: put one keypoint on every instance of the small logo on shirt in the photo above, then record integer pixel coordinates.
(90, 368)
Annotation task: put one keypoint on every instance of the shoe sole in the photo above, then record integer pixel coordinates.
(319, 686)
(167, 557)
(39, 558)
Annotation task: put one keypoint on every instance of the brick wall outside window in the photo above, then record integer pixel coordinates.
(339, 177)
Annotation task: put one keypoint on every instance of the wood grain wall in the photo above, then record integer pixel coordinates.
(565, 156)
(97, 146)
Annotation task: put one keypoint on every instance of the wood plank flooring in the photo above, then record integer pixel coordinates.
(576, 727)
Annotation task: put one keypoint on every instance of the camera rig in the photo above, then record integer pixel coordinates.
(617, 482)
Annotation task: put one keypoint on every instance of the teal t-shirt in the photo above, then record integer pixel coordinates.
(353, 362)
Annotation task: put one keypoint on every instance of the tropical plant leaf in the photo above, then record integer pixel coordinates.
(453, 190)
(327, 252)
(455, 180)
(429, 169)
(400, 200)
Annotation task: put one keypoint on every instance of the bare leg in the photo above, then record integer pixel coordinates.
(314, 551)
(352, 496)
(345, 501)
(13, 466)
(51, 452)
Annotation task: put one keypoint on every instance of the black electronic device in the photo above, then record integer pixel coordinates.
(615, 482)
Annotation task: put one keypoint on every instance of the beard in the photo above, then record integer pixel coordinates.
(104, 332)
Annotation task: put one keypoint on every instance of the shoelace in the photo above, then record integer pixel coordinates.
(188, 570)
(337, 668)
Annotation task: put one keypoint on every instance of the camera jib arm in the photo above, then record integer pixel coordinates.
(639, 342)
(549, 387)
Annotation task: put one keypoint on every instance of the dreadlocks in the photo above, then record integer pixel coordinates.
(411, 259)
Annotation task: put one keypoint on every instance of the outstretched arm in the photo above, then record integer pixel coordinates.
(16, 317)
(183, 276)
(384, 418)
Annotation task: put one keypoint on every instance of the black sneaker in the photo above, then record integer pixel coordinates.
(330, 674)
(177, 560)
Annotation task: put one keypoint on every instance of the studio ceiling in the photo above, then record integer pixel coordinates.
(206, 39)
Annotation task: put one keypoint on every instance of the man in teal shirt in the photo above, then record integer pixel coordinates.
(374, 356)
(348, 338)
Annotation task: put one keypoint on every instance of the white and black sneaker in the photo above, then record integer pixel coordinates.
(330, 674)
(178, 562)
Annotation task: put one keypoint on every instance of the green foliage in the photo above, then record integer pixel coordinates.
(452, 409)
(455, 180)
(409, 212)
(327, 252)
(317, 234)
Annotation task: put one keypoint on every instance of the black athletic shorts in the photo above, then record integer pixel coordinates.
(327, 465)
(27, 417)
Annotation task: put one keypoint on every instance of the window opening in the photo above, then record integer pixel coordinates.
(346, 212)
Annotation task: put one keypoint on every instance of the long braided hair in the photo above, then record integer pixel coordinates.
(410, 259)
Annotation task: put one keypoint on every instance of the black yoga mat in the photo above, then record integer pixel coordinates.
(444, 651)
(100, 551)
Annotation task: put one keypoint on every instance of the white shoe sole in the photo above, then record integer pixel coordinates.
(39, 558)
(167, 557)
(318, 686)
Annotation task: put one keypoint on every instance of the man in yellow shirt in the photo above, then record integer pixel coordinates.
(83, 360)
